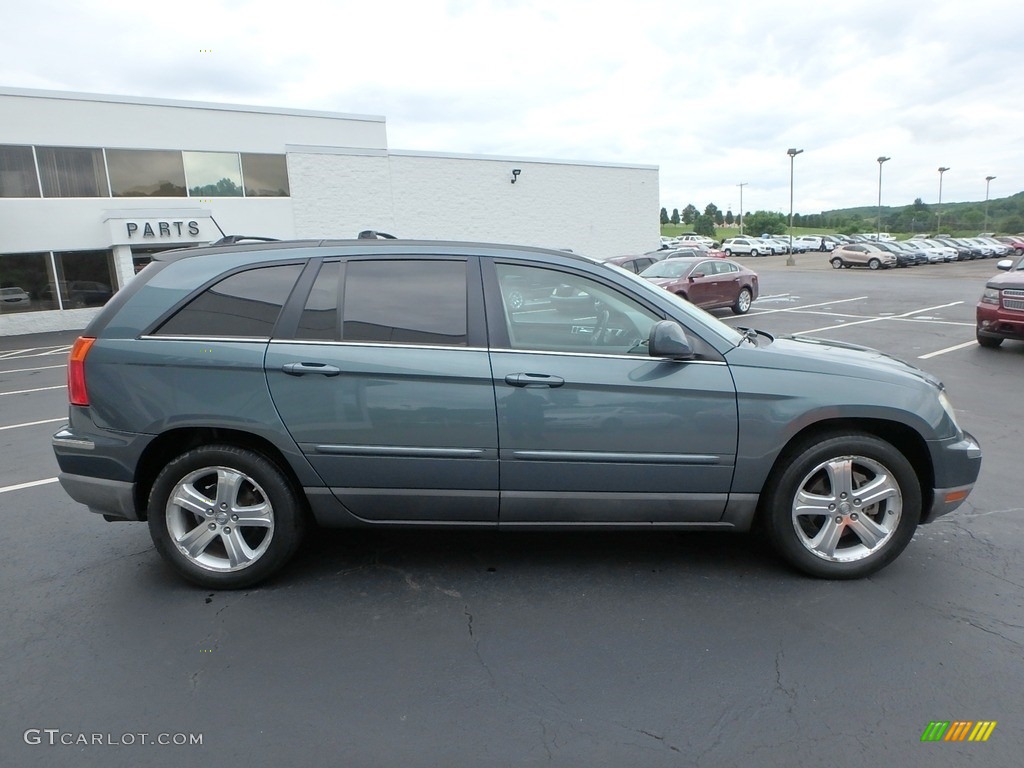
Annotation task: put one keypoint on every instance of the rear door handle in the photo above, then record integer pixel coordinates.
(301, 369)
(533, 380)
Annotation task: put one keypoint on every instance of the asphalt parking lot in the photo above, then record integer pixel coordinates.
(468, 649)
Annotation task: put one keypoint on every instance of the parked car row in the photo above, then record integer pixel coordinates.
(918, 250)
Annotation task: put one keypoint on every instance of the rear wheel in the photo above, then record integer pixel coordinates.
(728, 252)
(837, 263)
(843, 506)
(224, 517)
(742, 305)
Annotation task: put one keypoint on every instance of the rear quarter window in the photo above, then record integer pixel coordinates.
(245, 304)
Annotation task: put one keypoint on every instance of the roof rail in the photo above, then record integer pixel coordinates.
(370, 234)
(231, 239)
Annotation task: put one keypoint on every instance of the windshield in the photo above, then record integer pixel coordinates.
(668, 268)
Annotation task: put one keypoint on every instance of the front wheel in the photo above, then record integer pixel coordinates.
(837, 263)
(753, 252)
(990, 342)
(728, 252)
(224, 517)
(843, 506)
(742, 305)
(874, 264)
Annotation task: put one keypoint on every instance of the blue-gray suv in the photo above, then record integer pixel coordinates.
(232, 396)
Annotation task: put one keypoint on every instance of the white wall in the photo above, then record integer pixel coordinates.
(90, 120)
(600, 210)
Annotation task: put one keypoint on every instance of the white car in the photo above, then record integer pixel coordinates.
(14, 297)
(751, 246)
(933, 254)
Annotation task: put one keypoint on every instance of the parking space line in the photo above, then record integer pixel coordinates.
(33, 423)
(26, 391)
(29, 370)
(14, 354)
(948, 349)
(805, 306)
(877, 319)
(33, 484)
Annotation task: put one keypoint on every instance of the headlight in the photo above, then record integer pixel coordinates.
(990, 296)
(948, 408)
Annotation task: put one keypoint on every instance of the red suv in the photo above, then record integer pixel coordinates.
(1001, 308)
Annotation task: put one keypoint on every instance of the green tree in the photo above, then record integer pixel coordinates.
(664, 217)
(729, 218)
(712, 212)
(675, 216)
(704, 225)
(764, 221)
(690, 214)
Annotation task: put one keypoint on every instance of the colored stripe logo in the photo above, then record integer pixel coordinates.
(958, 730)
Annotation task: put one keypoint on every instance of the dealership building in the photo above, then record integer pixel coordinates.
(91, 186)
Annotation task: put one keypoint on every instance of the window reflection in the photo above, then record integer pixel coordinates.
(213, 174)
(17, 172)
(265, 175)
(26, 283)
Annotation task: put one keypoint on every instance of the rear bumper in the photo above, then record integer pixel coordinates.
(112, 498)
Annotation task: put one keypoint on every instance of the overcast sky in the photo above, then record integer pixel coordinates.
(713, 93)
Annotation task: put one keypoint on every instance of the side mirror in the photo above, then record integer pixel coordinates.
(667, 339)
(1005, 264)
(695, 275)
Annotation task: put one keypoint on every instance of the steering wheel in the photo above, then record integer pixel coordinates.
(601, 325)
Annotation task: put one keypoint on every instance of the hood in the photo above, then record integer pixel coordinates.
(831, 357)
(1013, 279)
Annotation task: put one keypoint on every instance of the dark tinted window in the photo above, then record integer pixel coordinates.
(265, 175)
(245, 304)
(412, 302)
(320, 316)
(146, 173)
(18, 172)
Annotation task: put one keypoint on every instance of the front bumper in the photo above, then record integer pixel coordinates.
(997, 323)
(957, 464)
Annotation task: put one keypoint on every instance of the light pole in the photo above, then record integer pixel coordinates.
(880, 161)
(741, 186)
(790, 261)
(988, 180)
(938, 226)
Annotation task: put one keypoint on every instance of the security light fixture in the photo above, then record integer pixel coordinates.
(515, 174)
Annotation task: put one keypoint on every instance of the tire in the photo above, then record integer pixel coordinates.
(874, 264)
(682, 296)
(743, 300)
(200, 495)
(753, 252)
(837, 263)
(836, 535)
(728, 252)
(989, 342)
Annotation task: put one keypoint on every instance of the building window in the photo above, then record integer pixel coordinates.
(86, 278)
(26, 283)
(265, 175)
(213, 174)
(18, 172)
(72, 172)
(146, 173)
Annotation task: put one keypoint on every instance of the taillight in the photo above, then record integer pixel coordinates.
(78, 394)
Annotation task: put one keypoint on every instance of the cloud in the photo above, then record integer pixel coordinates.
(713, 95)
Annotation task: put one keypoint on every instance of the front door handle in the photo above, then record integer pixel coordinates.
(533, 380)
(301, 369)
